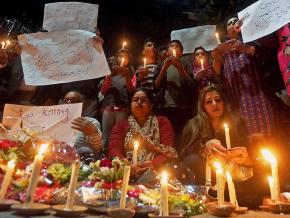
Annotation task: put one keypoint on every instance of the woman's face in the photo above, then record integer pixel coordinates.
(126, 58)
(200, 54)
(213, 104)
(141, 105)
(233, 28)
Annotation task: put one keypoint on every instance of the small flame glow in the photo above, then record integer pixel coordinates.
(269, 156)
(42, 149)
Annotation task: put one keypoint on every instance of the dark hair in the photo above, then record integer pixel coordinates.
(161, 48)
(197, 48)
(176, 41)
(149, 39)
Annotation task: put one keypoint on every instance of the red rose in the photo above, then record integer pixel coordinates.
(106, 162)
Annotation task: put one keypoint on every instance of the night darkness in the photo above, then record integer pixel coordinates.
(136, 20)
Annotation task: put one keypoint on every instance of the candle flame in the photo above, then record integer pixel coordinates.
(174, 52)
(11, 163)
(201, 61)
(164, 175)
(145, 60)
(226, 125)
(269, 156)
(124, 44)
(136, 145)
(42, 149)
(217, 165)
(217, 35)
(228, 175)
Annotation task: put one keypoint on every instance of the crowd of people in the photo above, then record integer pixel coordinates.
(175, 106)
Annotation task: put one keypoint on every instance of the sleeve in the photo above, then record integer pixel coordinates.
(106, 84)
(117, 138)
(166, 140)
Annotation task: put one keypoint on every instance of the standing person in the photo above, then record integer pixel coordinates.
(240, 74)
(116, 89)
(202, 68)
(179, 90)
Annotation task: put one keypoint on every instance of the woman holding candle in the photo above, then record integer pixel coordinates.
(154, 134)
(116, 89)
(202, 68)
(236, 64)
(204, 137)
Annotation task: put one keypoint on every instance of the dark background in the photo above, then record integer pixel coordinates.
(135, 20)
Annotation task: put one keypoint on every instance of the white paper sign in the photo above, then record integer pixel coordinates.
(197, 36)
(62, 16)
(55, 120)
(61, 57)
(264, 17)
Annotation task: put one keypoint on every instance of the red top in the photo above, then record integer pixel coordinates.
(116, 145)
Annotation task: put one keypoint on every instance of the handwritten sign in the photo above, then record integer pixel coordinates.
(62, 16)
(197, 36)
(61, 57)
(55, 120)
(264, 17)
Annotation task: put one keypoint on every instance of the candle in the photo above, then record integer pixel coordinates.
(124, 189)
(227, 134)
(72, 185)
(124, 44)
(174, 52)
(7, 179)
(207, 175)
(3, 45)
(232, 191)
(219, 182)
(35, 174)
(218, 38)
(135, 153)
(164, 209)
(7, 44)
(274, 168)
(201, 64)
(271, 186)
(144, 62)
(122, 62)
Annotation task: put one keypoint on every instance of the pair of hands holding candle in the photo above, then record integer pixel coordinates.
(238, 155)
(174, 61)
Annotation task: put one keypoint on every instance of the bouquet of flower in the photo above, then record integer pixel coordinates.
(108, 172)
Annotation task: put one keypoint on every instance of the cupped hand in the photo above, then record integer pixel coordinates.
(84, 125)
(214, 147)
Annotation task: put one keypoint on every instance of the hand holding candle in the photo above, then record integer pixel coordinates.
(126, 177)
(72, 185)
(274, 168)
(135, 153)
(35, 174)
(7, 179)
(227, 135)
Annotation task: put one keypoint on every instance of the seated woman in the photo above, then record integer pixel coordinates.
(154, 134)
(204, 137)
(88, 141)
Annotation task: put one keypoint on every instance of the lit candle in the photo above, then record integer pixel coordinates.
(35, 174)
(125, 183)
(164, 209)
(274, 168)
(124, 44)
(201, 64)
(218, 38)
(219, 182)
(144, 62)
(122, 62)
(227, 134)
(135, 153)
(3, 45)
(232, 191)
(174, 52)
(207, 175)
(72, 185)
(7, 44)
(7, 179)
(271, 186)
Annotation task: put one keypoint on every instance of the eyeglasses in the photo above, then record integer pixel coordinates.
(141, 99)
